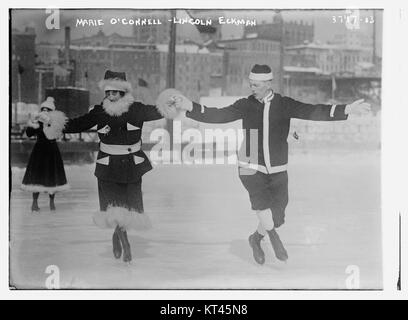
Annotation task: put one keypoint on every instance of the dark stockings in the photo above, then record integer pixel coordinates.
(127, 255)
(52, 204)
(34, 206)
(117, 247)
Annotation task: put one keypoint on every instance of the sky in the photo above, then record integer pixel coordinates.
(323, 20)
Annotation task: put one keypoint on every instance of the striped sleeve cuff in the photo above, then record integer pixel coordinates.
(333, 108)
(197, 109)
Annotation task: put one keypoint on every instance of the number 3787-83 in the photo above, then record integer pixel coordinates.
(352, 19)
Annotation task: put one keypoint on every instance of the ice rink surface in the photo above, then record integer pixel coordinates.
(201, 222)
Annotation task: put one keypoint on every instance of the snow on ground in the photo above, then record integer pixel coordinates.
(202, 220)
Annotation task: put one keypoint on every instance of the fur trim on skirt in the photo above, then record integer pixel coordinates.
(122, 217)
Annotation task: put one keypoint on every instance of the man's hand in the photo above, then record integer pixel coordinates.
(171, 103)
(181, 102)
(175, 101)
(358, 107)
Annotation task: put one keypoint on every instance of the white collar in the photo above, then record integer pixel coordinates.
(268, 98)
(118, 107)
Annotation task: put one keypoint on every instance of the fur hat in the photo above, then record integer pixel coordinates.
(261, 73)
(48, 103)
(115, 81)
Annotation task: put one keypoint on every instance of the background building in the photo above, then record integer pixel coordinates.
(330, 59)
(103, 40)
(195, 67)
(294, 32)
(207, 63)
(160, 33)
(23, 58)
(239, 57)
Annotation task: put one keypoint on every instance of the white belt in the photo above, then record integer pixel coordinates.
(262, 168)
(118, 149)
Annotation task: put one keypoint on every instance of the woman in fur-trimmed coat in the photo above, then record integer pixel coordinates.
(121, 162)
(45, 169)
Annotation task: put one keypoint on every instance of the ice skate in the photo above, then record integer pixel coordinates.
(277, 245)
(117, 248)
(127, 255)
(35, 208)
(52, 206)
(255, 243)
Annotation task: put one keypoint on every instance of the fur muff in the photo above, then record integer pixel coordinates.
(122, 217)
(53, 130)
(166, 104)
(119, 107)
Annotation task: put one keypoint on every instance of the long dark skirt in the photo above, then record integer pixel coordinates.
(125, 195)
(121, 204)
(45, 169)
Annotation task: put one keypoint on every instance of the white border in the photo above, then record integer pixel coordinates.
(394, 156)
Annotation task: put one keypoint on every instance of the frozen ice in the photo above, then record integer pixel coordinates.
(201, 222)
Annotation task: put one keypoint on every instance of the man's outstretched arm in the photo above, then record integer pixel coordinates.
(202, 113)
(323, 112)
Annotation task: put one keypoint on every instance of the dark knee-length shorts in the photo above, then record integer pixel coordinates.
(268, 191)
(126, 195)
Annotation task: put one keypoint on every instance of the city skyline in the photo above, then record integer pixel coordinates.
(199, 72)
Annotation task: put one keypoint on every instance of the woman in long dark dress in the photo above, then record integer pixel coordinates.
(45, 169)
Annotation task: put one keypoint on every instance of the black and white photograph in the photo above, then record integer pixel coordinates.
(196, 148)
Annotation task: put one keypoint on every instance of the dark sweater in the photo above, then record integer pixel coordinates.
(271, 122)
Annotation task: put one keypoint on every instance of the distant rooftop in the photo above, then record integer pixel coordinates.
(325, 46)
(27, 31)
(180, 48)
(69, 87)
(102, 34)
(302, 69)
(249, 37)
(183, 48)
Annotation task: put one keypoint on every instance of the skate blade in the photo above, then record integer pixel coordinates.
(281, 263)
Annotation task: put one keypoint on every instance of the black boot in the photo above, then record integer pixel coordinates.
(117, 248)
(34, 206)
(127, 255)
(255, 243)
(277, 245)
(52, 204)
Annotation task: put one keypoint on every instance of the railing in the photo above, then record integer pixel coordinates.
(17, 133)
